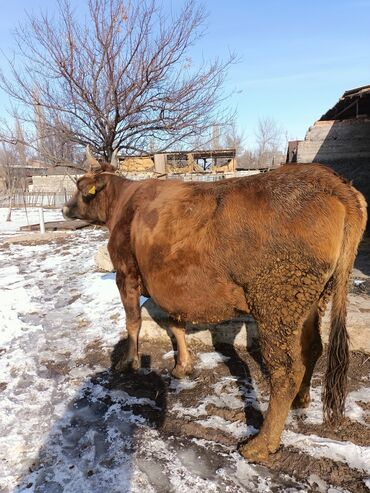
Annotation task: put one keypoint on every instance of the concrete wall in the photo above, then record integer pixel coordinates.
(155, 326)
(55, 183)
(243, 332)
(344, 146)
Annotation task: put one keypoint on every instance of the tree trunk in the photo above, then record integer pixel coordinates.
(9, 216)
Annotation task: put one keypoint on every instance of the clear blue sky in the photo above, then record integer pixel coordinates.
(297, 58)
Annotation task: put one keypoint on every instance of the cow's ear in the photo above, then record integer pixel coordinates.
(90, 186)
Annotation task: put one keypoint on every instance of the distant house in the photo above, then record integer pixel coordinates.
(180, 162)
(341, 139)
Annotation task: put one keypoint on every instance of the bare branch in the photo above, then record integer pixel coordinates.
(118, 80)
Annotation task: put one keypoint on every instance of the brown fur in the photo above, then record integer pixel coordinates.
(273, 245)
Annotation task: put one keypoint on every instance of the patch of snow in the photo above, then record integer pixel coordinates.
(362, 395)
(181, 410)
(314, 413)
(210, 360)
(238, 395)
(317, 483)
(20, 218)
(184, 384)
(247, 474)
(169, 355)
(177, 472)
(353, 410)
(336, 490)
(16, 300)
(225, 397)
(236, 428)
(358, 282)
(355, 456)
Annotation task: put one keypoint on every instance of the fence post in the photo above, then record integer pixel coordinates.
(42, 223)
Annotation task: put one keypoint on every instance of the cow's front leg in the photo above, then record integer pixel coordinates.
(129, 289)
(184, 365)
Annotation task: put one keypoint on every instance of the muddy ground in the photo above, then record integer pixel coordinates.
(247, 368)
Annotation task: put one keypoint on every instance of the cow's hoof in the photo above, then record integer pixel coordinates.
(182, 371)
(301, 401)
(126, 365)
(256, 450)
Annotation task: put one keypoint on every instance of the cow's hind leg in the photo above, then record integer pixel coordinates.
(280, 347)
(311, 351)
(184, 365)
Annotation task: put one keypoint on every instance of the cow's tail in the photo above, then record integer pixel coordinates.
(335, 387)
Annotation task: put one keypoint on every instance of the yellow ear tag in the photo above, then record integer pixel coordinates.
(92, 191)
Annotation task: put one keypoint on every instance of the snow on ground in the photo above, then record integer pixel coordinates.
(24, 217)
(314, 414)
(355, 456)
(210, 360)
(64, 430)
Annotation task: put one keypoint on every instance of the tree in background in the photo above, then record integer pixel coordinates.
(270, 142)
(235, 139)
(12, 171)
(120, 79)
(51, 144)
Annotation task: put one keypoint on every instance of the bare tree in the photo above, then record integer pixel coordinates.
(235, 139)
(120, 79)
(50, 143)
(19, 152)
(269, 137)
(248, 159)
(12, 161)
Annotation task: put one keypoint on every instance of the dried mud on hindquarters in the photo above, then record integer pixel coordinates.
(288, 460)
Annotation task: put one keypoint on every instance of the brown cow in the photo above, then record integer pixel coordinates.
(274, 245)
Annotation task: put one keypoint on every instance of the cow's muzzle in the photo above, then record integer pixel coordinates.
(66, 212)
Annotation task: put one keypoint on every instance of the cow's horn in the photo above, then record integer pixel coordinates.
(91, 161)
(115, 161)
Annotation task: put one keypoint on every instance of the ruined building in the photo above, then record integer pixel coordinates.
(341, 139)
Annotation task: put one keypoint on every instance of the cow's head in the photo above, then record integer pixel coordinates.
(90, 201)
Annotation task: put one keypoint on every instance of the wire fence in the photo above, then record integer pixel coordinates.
(37, 199)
